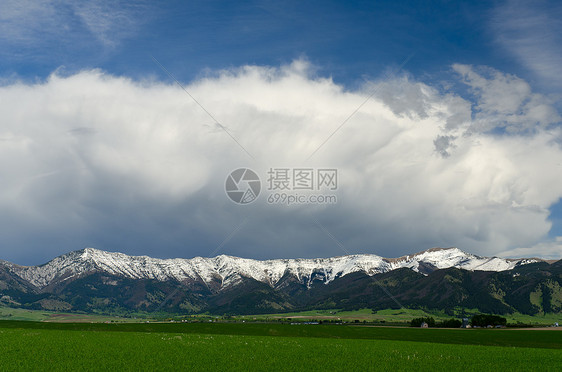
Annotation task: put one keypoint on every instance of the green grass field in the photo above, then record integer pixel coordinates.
(389, 316)
(8, 313)
(394, 316)
(227, 347)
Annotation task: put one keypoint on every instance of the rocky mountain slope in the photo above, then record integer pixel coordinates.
(95, 280)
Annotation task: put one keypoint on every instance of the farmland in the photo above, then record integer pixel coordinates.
(216, 346)
(380, 317)
(8, 313)
(395, 316)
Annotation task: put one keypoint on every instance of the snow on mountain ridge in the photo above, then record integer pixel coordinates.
(230, 270)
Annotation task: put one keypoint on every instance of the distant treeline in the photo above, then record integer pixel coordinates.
(449, 323)
(484, 320)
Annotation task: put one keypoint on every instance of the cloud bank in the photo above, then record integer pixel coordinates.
(98, 160)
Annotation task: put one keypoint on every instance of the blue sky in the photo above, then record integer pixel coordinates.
(346, 40)
(484, 76)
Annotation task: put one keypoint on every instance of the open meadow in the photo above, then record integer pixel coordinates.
(395, 316)
(227, 347)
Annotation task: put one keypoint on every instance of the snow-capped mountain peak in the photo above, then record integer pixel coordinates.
(225, 271)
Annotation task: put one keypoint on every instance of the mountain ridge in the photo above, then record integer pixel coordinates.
(230, 270)
(91, 280)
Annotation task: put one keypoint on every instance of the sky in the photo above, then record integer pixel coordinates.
(439, 123)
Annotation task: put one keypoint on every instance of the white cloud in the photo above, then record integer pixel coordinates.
(109, 20)
(94, 159)
(531, 32)
(23, 21)
(504, 100)
(42, 23)
(549, 250)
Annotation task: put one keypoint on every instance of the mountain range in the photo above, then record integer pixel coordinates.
(93, 280)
